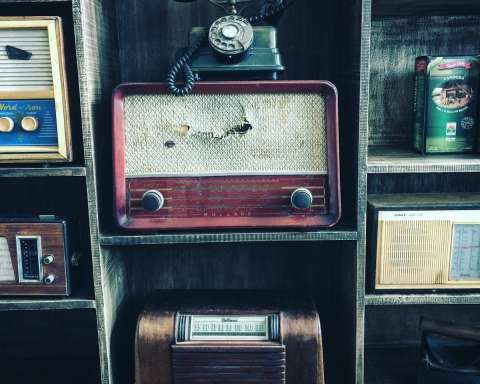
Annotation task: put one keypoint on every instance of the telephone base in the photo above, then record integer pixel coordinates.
(261, 62)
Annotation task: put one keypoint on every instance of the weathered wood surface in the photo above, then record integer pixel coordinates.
(37, 304)
(424, 7)
(396, 42)
(225, 237)
(43, 172)
(406, 160)
(310, 267)
(424, 298)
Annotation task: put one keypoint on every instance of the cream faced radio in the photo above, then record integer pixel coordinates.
(229, 155)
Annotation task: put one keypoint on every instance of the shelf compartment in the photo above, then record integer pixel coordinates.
(391, 364)
(113, 239)
(395, 43)
(405, 160)
(427, 298)
(43, 172)
(41, 304)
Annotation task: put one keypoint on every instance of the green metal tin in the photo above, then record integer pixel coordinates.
(446, 104)
(261, 62)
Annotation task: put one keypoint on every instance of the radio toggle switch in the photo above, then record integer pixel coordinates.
(152, 200)
(29, 123)
(48, 259)
(301, 198)
(49, 279)
(6, 124)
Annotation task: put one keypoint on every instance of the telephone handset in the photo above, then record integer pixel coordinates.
(237, 49)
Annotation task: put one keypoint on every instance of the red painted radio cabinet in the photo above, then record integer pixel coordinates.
(230, 155)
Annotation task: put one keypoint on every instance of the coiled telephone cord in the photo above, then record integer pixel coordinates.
(183, 63)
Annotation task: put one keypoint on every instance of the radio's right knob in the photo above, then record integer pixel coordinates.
(49, 279)
(6, 124)
(301, 198)
(29, 124)
(152, 200)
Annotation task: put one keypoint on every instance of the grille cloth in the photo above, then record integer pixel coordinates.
(289, 134)
(35, 73)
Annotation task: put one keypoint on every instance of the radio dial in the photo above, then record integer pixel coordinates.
(301, 198)
(49, 279)
(6, 124)
(152, 200)
(29, 123)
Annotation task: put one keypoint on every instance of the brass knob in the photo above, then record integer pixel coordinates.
(29, 123)
(6, 124)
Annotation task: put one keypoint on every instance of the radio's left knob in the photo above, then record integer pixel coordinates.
(152, 200)
(301, 198)
(6, 124)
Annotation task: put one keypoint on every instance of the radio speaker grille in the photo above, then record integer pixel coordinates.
(232, 365)
(413, 252)
(35, 73)
(288, 134)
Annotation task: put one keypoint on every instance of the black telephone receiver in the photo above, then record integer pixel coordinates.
(237, 49)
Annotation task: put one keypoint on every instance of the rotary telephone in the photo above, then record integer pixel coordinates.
(236, 48)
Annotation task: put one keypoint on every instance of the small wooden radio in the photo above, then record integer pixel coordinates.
(424, 242)
(34, 117)
(34, 257)
(227, 337)
(230, 155)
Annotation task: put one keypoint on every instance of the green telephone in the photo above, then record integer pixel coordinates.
(236, 49)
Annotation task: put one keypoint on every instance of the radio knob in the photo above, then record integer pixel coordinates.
(152, 200)
(301, 198)
(48, 259)
(29, 123)
(6, 124)
(49, 279)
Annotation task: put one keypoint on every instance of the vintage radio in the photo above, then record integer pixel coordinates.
(34, 118)
(230, 155)
(190, 337)
(424, 241)
(34, 257)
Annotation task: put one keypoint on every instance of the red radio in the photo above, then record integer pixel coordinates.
(230, 155)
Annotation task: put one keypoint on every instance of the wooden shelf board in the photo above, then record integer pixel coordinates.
(34, 1)
(382, 8)
(419, 299)
(224, 237)
(404, 160)
(42, 172)
(40, 303)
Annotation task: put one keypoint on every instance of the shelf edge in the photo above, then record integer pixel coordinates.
(419, 299)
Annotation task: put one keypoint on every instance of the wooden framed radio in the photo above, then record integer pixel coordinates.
(228, 337)
(230, 155)
(34, 257)
(34, 111)
(427, 241)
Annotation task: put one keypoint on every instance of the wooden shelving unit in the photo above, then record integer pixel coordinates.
(394, 33)
(366, 48)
